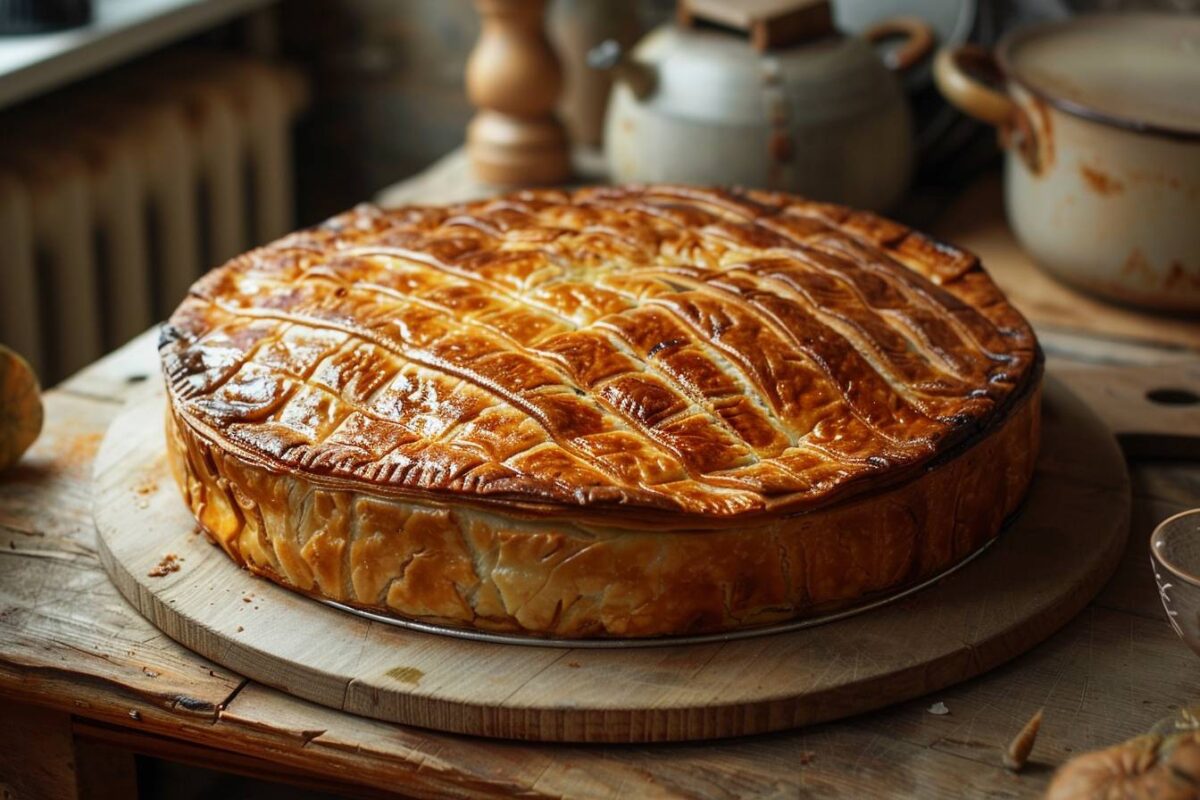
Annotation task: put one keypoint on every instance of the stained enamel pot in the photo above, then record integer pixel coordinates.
(1100, 117)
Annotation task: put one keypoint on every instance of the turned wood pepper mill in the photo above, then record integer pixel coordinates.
(514, 79)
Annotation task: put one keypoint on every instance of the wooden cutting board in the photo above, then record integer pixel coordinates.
(1153, 410)
(1041, 571)
(976, 222)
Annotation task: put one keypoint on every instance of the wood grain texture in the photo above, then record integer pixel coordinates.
(1064, 545)
(1093, 697)
(54, 600)
(976, 222)
(1153, 410)
(118, 745)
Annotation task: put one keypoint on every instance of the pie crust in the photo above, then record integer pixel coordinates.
(618, 411)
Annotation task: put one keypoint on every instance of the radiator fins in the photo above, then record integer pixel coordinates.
(117, 194)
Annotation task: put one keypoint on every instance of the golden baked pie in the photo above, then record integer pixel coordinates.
(631, 411)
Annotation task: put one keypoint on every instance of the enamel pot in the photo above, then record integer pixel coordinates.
(1100, 117)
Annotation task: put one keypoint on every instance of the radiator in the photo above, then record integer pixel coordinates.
(116, 195)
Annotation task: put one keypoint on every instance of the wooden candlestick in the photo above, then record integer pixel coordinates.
(514, 79)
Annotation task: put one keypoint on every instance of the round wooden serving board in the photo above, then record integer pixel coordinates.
(1044, 568)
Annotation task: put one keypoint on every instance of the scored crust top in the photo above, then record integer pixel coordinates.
(680, 355)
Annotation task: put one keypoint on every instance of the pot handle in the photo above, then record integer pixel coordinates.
(954, 71)
(919, 41)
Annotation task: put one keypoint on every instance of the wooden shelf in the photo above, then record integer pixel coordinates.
(120, 30)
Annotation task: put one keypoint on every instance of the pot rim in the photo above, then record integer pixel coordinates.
(1020, 35)
(1156, 538)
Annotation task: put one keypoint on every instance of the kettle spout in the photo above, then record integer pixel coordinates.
(642, 78)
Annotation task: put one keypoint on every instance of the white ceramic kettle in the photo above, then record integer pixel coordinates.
(826, 119)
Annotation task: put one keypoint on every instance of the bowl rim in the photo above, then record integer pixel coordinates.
(1157, 537)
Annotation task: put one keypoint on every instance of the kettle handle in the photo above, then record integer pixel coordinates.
(610, 56)
(919, 40)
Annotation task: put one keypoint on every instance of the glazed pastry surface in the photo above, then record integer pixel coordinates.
(615, 411)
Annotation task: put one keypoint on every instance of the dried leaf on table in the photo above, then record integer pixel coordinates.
(1022, 745)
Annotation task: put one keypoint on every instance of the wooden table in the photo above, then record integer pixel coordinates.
(87, 681)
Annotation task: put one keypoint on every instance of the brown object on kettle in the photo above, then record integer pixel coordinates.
(770, 23)
(514, 78)
(1151, 766)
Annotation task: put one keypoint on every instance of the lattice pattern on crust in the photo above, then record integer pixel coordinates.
(640, 350)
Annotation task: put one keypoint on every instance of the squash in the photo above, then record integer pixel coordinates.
(1163, 764)
(20, 407)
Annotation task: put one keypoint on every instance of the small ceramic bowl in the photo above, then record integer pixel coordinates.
(1175, 558)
